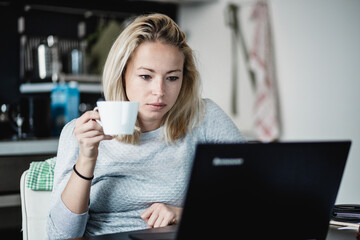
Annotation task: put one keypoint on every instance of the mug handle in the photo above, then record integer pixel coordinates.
(98, 121)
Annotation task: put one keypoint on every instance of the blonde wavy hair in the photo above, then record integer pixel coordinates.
(188, 109)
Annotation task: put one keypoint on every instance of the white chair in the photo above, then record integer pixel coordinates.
(34, 209)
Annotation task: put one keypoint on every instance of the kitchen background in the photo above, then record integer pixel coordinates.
(316, 62)
(317, 59)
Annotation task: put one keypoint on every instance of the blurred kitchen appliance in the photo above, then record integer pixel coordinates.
(48, 59)
(8, 127)
(44, 58)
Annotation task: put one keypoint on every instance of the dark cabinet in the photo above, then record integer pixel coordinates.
(9, 57)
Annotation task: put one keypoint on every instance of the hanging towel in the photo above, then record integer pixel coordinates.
(266, 106)
(41, 175)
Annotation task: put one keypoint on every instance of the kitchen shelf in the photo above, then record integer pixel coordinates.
(28, 147)
(81, 78)
(48, 86)
(10, 200)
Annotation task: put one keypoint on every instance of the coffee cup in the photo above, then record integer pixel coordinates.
(117, 117)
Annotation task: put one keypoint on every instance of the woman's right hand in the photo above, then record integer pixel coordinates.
(89, 133)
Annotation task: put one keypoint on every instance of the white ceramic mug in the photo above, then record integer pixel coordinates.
(117, 117)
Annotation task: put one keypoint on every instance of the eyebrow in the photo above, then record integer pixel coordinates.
(152, 70)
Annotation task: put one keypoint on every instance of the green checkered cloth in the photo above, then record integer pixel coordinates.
(41, 175)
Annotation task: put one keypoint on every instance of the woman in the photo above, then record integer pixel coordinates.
(106, 184)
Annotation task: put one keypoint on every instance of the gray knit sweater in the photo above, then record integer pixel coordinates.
(129, 178)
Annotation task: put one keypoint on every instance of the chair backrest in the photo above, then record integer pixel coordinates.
(34, 209)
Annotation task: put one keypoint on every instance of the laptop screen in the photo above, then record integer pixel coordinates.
(278, 190)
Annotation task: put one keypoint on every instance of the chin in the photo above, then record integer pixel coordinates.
(151, 116)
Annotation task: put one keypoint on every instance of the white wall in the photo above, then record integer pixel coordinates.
(317, 44)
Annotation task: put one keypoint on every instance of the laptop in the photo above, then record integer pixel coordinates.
(283, 190)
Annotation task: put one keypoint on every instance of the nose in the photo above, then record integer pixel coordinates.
(158, 87)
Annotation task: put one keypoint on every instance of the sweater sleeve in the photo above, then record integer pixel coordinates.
(218, 127)
(61, 222)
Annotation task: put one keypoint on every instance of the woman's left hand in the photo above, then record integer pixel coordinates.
(161, 215)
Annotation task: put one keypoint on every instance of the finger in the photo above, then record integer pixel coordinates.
(86, 127)
(87, 116)
(147, 213)
(151, 220)
(91, 124)
(91, 142)
(168, 219)
(154, 216)
(80, 136)
(92, 138)
(165, 223)
(108, 137)
(158, 221)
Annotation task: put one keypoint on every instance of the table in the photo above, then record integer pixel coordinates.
(126, 235)
(333, 234)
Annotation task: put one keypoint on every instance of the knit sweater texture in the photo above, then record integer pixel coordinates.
(129, 178)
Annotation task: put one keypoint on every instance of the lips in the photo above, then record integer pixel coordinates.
(157, 106)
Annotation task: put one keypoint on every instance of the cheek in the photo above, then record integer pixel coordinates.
(131, 88)
(130, 92)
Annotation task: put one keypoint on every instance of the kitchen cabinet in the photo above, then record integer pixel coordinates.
(15, 158)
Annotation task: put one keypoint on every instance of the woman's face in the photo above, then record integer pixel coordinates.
(153, 77)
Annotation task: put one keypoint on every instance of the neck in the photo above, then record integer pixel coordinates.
(149, 126)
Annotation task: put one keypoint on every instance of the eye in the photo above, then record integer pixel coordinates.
(173, 78)
(145, 77)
